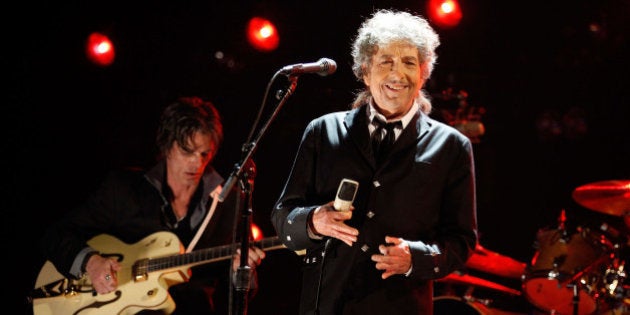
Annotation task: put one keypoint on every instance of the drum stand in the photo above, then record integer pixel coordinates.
(576, 297)
(574, 282)
(468, 297)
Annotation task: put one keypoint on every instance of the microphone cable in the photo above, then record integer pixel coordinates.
(321, 274)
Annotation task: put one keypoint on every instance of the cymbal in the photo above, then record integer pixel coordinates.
(610, 197)
(494, 263)
(460, 278)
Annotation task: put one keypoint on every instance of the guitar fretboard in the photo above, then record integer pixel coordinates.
(208, 255)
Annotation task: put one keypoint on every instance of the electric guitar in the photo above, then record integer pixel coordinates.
(148, 268)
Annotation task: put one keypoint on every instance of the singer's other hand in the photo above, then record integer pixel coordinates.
(395, 257)
(327, 221)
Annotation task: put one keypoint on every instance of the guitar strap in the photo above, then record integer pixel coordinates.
(215, 199)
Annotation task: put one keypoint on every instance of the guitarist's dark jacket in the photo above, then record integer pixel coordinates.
(132, 204)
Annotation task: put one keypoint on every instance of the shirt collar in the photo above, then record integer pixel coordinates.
(372, 112)
(209, 181)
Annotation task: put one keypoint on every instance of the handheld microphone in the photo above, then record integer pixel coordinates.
(323, 67)
(345, 194)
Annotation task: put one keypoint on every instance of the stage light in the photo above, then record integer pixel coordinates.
(257, 233)
(100, 50)
(262, 34)
(444, 13)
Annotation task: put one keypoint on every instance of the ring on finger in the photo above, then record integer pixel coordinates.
(108, 277)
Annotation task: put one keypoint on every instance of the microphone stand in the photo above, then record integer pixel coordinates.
(246, 182)
(244, 272)
(250, 147)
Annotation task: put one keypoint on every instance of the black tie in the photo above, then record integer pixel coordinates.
(382, 143)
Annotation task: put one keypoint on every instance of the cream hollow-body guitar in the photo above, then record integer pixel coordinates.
(149, 268)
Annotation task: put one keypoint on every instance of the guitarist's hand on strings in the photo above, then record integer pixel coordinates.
(102, 273)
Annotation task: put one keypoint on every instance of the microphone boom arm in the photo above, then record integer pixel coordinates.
(250, 147)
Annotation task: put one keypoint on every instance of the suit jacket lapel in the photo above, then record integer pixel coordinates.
(411, 135)
(356, 124)
(418, 126)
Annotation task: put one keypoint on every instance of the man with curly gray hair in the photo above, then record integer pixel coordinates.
(414, 216)
(387, 27)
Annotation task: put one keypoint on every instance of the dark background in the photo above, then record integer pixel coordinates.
(551, 76)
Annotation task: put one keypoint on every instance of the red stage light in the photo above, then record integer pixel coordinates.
(262, 34)
(444, 13)
(257, 233)
(100, 50)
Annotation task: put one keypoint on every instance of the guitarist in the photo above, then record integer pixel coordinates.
(175, 195)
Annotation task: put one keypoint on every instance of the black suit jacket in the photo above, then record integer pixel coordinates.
(424, 193)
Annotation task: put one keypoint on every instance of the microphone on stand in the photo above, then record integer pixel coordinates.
(323, 67)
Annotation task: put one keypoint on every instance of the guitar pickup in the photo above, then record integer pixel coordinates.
(140, 270)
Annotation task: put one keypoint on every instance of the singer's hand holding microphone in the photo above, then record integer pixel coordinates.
(328, 219)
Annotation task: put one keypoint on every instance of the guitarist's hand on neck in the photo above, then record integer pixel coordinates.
(254, 258)
(102, 273)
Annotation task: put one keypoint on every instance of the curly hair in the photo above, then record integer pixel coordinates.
(386, 27)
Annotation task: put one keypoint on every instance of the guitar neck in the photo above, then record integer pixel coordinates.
(202, 256)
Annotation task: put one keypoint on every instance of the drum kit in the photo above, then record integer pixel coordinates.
(573, 272)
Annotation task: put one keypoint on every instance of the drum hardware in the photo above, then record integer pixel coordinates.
(578, 282)
(462, 278)
(614, 277)
(565, 272)
(494, 263)
(611, 197)
(468, 297)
